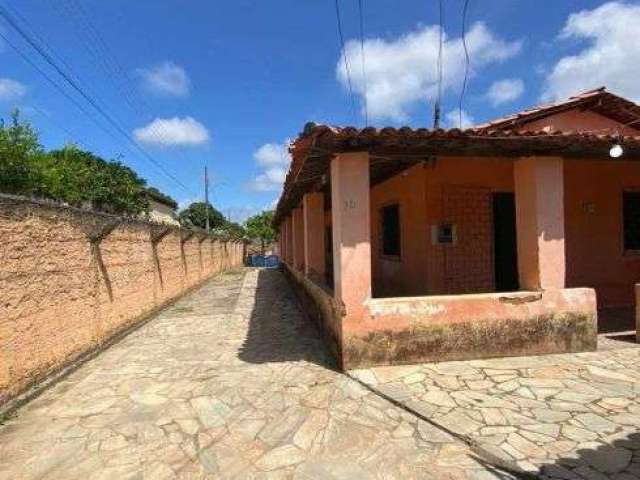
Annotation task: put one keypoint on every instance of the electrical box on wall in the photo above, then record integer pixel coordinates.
(443, 234)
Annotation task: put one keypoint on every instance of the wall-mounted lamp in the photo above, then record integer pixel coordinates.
(616, 151)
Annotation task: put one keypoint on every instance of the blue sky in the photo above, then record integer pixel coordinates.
(228, 83)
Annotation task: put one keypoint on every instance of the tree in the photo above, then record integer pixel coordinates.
(196, 215)
(259, 228)
(19, 148)
(234, 229)
(70, 175)
(76, 176)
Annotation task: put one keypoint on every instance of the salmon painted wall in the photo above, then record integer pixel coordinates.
(478, 176)
(594, 229)
(577, 120)
(407, 274)
(426, 194)
(593, 226)
(593, 213)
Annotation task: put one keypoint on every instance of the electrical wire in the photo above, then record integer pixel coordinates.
(344, 56)
(49, 79)
(466, 56)
(108, 62)
(75, 86)
(72, 135)
(363, 64)
(436, 107)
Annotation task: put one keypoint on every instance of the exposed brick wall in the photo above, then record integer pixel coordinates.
(61, 297)
(469, 262)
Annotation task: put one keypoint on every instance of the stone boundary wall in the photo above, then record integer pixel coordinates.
(72, 280)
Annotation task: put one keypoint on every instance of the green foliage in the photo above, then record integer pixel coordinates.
(196, 215)
(19, 149)
(259, 228)
(70, 174)
(234, 230)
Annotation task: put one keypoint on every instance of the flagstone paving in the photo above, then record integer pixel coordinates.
(563, 416)
(233, 382)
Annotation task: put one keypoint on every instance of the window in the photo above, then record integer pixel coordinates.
(631, 220)
(391, 230)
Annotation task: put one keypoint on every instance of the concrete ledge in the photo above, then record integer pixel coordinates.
(463, 327)
(319, 304)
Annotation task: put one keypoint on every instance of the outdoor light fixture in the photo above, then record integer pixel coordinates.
(616, 151)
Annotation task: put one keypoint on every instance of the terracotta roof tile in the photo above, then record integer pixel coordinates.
(599, 100)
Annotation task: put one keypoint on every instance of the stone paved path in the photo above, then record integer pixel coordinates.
(564, 416)
(232, 382)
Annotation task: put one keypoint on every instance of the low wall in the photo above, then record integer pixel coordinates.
(462, 327)
(71, 280)
(318, 303)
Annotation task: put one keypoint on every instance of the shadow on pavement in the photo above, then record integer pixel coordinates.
(619, 459)
(278, 330)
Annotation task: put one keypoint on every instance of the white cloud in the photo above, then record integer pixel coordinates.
(506, 90)
(274, 158)
(401, 73)
(166, 78)
(171, 132)
(611, 59)
(11, 90)
(452, 119)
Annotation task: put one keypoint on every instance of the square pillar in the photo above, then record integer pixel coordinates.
(279, 245)
(282, 236)
(350, 214)
(539, 192)
(313, 210)
(283, 241)
(298, 238)
(287, 241)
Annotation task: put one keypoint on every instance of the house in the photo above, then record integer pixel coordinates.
(162, 208)
(509, 238)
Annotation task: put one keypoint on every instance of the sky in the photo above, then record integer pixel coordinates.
(229, 84)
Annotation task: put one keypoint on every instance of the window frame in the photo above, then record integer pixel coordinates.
(391, 257)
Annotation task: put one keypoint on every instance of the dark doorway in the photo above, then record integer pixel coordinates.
(504, 242)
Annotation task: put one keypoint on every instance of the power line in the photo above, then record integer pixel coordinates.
(108, 62)
(46, 76)
(436, 107)
(72, 136)
(363, 61)
(466, 56)
(344, 56)
(67, 78)
(50, 80)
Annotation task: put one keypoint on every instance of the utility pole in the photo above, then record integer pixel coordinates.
(206, 195)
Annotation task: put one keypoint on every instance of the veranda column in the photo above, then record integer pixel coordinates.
(288, 242)
(539, 191)
(298, 238)
(351, 231)
(314, 248)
